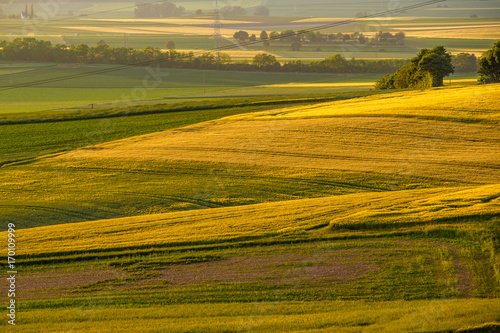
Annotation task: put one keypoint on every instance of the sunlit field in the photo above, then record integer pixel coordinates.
(155, 199)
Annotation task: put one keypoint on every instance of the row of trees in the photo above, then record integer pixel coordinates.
(291, 36)
(31, 49)
(427, 69)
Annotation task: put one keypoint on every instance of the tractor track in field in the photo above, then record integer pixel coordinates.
(240, 176)
(326, 156)
(400, 133)
(199, 202)
(465, 283)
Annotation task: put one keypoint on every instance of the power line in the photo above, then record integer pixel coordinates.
(228, 47)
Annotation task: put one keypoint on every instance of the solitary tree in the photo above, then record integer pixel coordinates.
(264, 35)
(264, 59)
(241, 36)
(489, 64)
(437, 62)
(170, 45)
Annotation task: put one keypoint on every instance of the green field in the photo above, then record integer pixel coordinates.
(140, 85)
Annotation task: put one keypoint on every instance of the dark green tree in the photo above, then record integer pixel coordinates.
(264, 59)
(489, 64)
(425, 70)
(437, 62)
(170, 45)
(241, 36)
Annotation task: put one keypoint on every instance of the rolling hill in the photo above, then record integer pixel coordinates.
(366, 214)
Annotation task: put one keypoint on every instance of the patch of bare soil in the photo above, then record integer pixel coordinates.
(322, 268)
(54, 283)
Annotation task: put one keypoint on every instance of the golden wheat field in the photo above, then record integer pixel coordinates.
(405, 133)
(159, 30)
(415, 207)
(367, 214)
(235, 54)
(459, 33)
(176, 21)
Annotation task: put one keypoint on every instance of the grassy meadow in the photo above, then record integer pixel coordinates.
(150, 85)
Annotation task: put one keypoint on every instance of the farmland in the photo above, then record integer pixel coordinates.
(122, 87)
(316, 222)
(247, 199)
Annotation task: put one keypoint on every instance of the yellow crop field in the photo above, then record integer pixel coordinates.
(465, 103)
(329, 19)
(463, 33)
(117, 30)
(320, 85)
(241, 54)
(412, 206)
(375, 214)
(176, 21)
(401, 133)
(159, 30)
(446, 27)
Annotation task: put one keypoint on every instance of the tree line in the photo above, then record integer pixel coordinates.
(407, 73)
(303, 36)
(31, 49)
